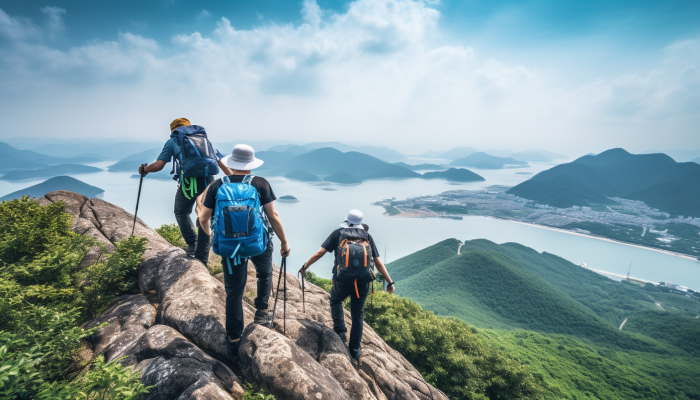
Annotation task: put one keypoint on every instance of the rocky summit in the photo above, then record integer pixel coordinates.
(172, 331)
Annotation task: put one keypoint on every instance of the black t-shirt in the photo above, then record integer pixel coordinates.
(333, 241)
(260, 184)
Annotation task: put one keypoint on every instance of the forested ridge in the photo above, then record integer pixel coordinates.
(560, 320)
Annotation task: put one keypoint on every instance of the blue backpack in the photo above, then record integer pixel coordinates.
(239, 228)
(196, 157)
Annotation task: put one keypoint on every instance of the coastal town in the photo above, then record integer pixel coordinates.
(623, 219)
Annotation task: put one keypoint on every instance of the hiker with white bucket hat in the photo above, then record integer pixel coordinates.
(244, 218)
(355, 257)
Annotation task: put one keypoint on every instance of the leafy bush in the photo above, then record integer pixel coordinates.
(116, 275)
(324, 284)
(171, 233)
(449, 354)
(45, 294)
(446, 351)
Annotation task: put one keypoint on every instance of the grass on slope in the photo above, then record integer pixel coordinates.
(575, 369)
(481, 287)
(422, 259)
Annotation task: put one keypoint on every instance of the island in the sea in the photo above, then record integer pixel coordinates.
(288, 199)
(53, 184)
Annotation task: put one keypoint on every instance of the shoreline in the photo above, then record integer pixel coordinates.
(668, 252)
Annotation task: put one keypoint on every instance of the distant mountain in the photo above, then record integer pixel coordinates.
(455, 174)
(132, 162)
(329, 161)
(697, 160)
(62, 169)
(420, 167)
(457, 152)
(15, 159)
(655, 179)
(103, 151)
(680, 155)
(302, 176)
(55, 183)
(383, 153)
(431, 153)
(530, 156)
(486, 161)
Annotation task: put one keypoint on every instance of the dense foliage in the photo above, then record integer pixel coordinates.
(45, 294)
(171, 233)
(447, 352)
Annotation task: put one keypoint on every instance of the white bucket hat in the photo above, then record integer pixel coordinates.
(242, 158)
(353, 220)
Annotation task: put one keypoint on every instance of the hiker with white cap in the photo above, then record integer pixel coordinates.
(244, 219)
(355, 256)
(195, 162)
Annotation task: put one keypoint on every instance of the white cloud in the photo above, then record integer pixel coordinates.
(378, 73)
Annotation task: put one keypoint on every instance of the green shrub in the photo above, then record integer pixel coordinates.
(171, 233)
(116, 275)
(324, 284)
(46, 294)
(449, 354)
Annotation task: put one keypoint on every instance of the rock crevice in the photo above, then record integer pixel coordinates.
(180, 346)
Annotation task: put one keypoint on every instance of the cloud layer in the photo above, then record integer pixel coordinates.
(382, 72)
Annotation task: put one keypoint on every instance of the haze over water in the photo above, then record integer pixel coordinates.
(309, 221)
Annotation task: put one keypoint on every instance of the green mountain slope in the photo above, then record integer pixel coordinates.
(414, 263)
(490, 290)
(55, 183)
(655, 179)
(561, 320)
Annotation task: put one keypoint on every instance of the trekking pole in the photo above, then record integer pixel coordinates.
(283, 270)
(138, 197)
(303, 297)
(284, 319)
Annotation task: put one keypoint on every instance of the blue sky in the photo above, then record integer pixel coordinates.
(535, 73)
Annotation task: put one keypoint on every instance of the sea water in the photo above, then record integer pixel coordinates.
(318, 212)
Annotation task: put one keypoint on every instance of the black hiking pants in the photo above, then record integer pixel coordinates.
(183, 210)
(234, 282)
(358, 295)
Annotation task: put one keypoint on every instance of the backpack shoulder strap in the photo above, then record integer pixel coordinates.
(225, 179)
(248, 179)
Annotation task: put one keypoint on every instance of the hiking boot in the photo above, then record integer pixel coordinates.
(355, 353)
(234, 346)
(342, 336)
(191, 249)
(262, 317)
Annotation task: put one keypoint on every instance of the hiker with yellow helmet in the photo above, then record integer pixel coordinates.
(195, 162)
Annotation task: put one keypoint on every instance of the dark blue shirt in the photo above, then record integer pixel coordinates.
(169, 150)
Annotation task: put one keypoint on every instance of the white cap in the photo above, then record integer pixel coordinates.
(354, 219)
(242, 158)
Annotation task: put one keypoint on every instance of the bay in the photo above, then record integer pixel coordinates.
(319, 212)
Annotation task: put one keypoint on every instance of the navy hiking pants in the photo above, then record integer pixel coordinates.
(358, 295)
